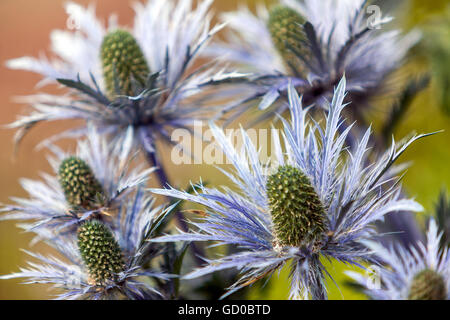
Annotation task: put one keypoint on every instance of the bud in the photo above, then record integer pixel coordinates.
(428, 285)
(81, 188)
(285, 27)
(100, 251)
(122, 60)
(297, 212)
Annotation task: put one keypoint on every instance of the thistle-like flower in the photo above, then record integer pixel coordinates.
(316, 199)
(416, 273)
(312, 44)
(92, 183)
(100, 261)
(141, 79)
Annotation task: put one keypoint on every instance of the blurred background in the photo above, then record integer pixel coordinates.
(25, 26)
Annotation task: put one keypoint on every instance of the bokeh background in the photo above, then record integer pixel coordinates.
(25, 26)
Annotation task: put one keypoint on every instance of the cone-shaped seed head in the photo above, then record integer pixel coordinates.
(122, 60)
(428, 285)
(100, 251)
(81, 188)
(297, 212)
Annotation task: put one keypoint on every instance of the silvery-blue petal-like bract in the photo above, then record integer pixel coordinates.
(394, 279)
(170, 35)
(339, 37)
(353, 190)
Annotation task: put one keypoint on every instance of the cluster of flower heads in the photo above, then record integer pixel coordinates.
(317, 198)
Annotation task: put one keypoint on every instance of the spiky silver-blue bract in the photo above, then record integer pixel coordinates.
(354, 192)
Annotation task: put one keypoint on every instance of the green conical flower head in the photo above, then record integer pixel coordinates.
(428, 285)
(287, 35)
(297, 212)
(122, 61)
(100, 251)
(81, 188)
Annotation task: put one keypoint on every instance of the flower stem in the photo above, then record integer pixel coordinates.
(164, 182)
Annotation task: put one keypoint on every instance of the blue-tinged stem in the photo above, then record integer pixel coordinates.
(164, 182)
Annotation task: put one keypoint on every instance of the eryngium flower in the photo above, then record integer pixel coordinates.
(91, 183)
(317, 199)
(141, 78)
(313, 44)
(415, 273)
(104, 262)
